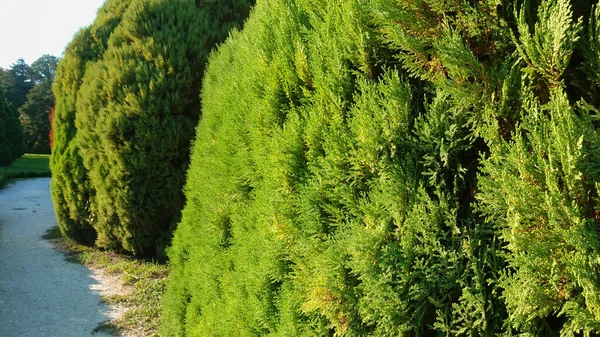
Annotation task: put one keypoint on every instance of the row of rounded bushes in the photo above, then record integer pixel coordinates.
(360, 167)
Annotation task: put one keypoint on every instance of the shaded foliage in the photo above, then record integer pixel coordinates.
(28, 88)
(11, 132)
(35, 118)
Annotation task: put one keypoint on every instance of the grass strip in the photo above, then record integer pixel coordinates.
(28, 166)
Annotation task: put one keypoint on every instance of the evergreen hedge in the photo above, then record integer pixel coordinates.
(137, 109)
(395, 168)
(11, 132)
(70, 187)
(127, 104)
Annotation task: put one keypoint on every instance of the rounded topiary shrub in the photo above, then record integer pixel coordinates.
(71, 191)
(136, 113)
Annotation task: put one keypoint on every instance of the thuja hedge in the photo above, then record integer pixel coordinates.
(128, 113)
(11, 132)
(70, 187)
(395, 168)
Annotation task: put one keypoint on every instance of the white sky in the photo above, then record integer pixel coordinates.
(32, 28)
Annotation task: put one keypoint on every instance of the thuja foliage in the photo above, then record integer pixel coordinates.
(70, 187)
(395, 168)
(127, 104)
(539, 188)
(11, 132)
(136, 111)
(333, 172)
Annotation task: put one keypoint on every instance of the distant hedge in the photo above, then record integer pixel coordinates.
(11, 132)
(395, 168)
(72, 193)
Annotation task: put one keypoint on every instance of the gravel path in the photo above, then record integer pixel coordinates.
(41, 294)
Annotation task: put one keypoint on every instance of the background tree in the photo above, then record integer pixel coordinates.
(51, 133)
(35, 118)
(44, 68)
(35, 112)
(5, 79)
(11, 134)
(16, 82)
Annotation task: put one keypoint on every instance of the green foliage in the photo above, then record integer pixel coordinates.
(395, 168)
(44, 68)
(70, 187)
(16, 82)
(331, 179)
(35, 111)
(11, 132)
(548, 50)
(541, 190)
(136, 111)
(35, 118)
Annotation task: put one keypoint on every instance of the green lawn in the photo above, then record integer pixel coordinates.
(30, 165)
